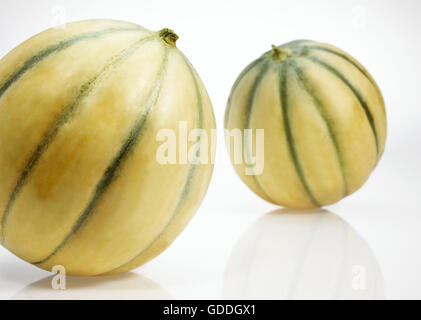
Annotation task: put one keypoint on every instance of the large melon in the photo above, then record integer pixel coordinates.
(324, 123)
(80, 110)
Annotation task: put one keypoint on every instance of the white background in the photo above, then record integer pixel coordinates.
(224, 241)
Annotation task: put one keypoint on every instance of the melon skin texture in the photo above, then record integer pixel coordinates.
(80, 109)
(323, 118)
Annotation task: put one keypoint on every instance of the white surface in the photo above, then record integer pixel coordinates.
(220, 39)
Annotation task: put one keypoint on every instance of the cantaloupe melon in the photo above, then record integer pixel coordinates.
(323, 118)
(80, 109)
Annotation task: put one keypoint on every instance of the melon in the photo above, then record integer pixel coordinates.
(324, 124)
(80, 110)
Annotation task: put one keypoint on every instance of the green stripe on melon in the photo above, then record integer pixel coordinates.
(186, 189)
(283, 76)
(324, 121)
(85, 190)
(34, 60)
(69, 111)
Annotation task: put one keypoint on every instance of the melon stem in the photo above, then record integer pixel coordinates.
(279, 54)
(168, 36)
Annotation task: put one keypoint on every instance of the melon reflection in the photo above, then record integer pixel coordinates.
(308, 255)
(121, 286)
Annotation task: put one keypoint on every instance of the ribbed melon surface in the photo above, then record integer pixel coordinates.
(324, 123)
(80, 109)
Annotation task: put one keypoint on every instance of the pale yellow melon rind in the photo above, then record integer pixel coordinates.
(197, 178)
(336, 126)
(132, 212)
